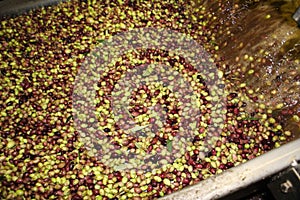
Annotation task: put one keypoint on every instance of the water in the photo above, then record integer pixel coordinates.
(260, 43)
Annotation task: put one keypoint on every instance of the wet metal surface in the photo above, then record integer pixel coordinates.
(14, 7)
(296, 16)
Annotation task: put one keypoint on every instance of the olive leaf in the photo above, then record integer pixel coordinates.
(127, 111)
(251, 118)
(120, 107)
(69, 118)
(122, 166)
(78, 158)
(139, 146)
(100, 41)
(137, 128)
(148, 71)
(193, 125)
(169, 145)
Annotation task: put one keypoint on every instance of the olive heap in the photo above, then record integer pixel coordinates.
(41, 154)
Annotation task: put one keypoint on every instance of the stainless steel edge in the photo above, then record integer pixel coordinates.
(241, 176)
(16, 7)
